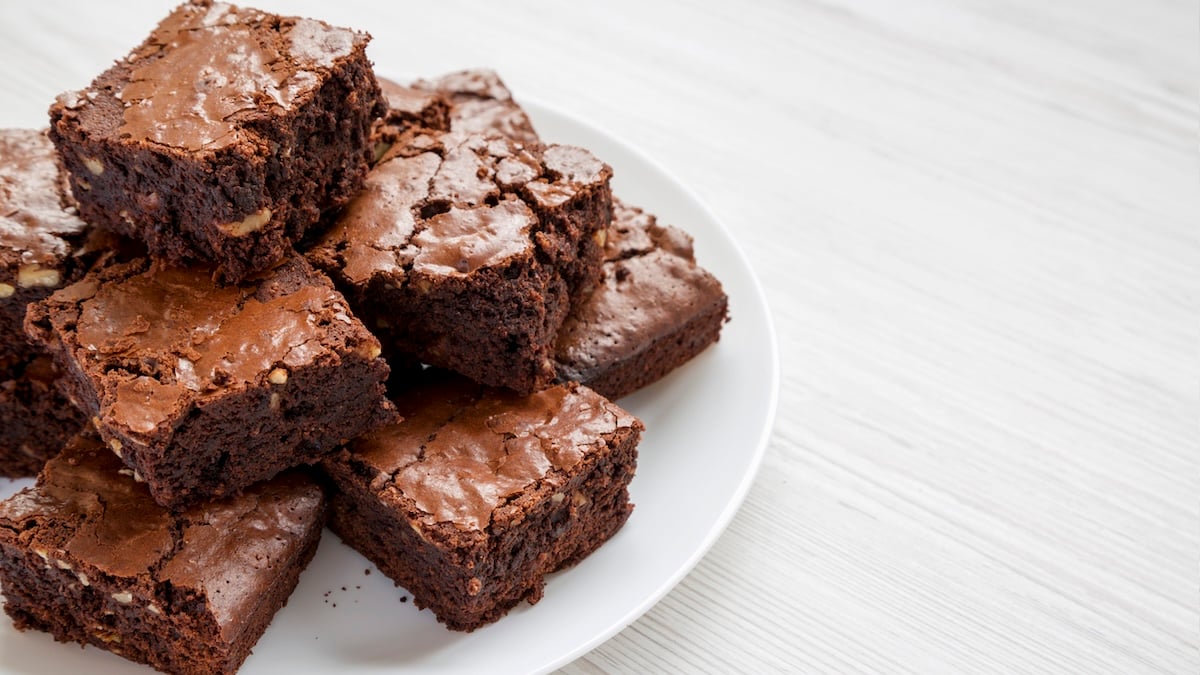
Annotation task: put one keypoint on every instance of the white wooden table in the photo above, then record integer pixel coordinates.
(976, 222)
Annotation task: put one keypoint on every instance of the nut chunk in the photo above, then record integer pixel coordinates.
(480, 493)
(204, 390)
(87, 556)
(224, 136)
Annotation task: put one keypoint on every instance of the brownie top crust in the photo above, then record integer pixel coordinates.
(208, 71)
(480, 191)
(411, 104)
(37, 218)
(179, 337)
(464, 450)
(87, 513)
(481, 104)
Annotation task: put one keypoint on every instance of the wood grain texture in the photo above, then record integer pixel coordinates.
(976, 223)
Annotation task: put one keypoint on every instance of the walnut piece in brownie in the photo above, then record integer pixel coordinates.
(480, 493)
(223, 136)
(204, 390)
(466, 251)
(87, 556)
(653, 310)
(36, 419)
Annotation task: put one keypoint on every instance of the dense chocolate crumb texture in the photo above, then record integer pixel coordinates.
(224, 136)
(87, 556)
(204, 389)
(485, 491)
(36, 419)
(466, 250)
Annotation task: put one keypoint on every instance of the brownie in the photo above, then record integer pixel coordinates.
(653, 310)
(466, 251)
(204, 390)
(223, 136)
(479, 492)
(481, 104)
(43, 242)
(87, 556)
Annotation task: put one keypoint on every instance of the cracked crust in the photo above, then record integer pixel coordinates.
(652, 311)
(466, 251)
(204, 390)
(269, 127)
(42, 238)
(89, 557)
(480, 493)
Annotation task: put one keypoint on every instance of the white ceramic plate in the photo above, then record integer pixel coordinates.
(707, 425)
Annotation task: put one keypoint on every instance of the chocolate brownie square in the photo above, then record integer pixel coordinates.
(480, 493)
(43, 242)
(465, 251)
(653, 310)
(204, 390)
(36, 419)
(224, 136)
(87, 556)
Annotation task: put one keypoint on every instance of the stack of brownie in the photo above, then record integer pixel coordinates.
(247, 289)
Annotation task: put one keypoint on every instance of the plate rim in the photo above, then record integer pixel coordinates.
(536, 107)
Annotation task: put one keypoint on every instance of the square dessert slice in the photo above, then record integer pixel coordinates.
(480, 493)
(204, 390)
(36, 419)
(223, 136)
(466, 251)
(87, 556)
(653, 310)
